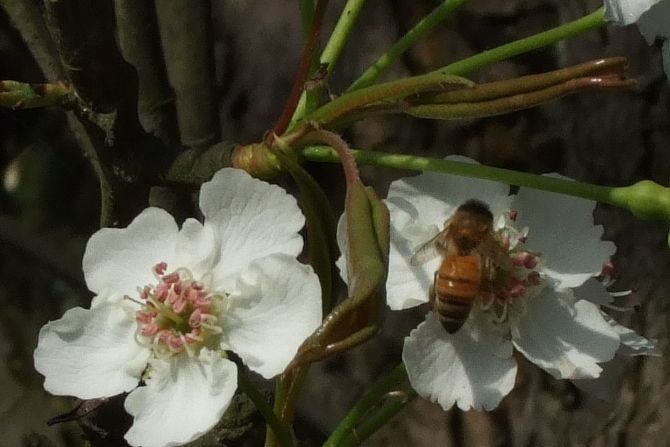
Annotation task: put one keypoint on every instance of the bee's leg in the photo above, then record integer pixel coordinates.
(431, 292)
(486, 296)
(500, 311)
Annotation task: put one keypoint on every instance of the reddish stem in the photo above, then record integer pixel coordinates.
(301, 74)
(321, 136)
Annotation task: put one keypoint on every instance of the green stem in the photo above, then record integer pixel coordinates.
(302, 71)
(278, 430)
(645, 199)
(554, 184)
(382, 386)
(330, 54)
(425, 26)
(399, 88)
(543, 39)
(21, 95)
(338, 38)
(447, 77)
(271, 439)
(374, 422)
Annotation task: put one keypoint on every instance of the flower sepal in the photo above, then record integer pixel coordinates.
(358, 317)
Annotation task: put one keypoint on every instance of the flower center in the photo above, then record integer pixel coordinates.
(178, 314)
(512, 287)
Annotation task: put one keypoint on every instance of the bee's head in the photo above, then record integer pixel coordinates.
(471, 223)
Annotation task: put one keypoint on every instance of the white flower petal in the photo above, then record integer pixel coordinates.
(408, 285)
(277, 307)
(91, 353)
(251, 218)
(183, 399)
(632, 343)
(606, 386)
(567, 339)
(118, 260)
(431, 198)
(651, 17)
(595, 292)
(196, 248)
(562, 231)
(472, 368)
(654, 22)
(625, 12)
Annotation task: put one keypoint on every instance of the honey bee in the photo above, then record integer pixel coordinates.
(471, 254)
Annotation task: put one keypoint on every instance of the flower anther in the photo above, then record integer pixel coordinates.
(178, 314)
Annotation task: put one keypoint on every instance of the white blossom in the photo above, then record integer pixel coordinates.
(541, 308)
(171, 301)
(651, 16)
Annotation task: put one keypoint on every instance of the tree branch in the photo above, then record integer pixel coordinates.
(187, 45)
(140, 45)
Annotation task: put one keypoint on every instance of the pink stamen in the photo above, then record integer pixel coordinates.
(202, 301)
(160, 268)
(173, 297)
(517, 291)
(179, 305)
(513, 214)
(607, 269)
(183, 297)
(174, 342)
(195, 319)
(164, 336)
(192, 294)
(171, 278)
(149, 330)
(530, 262)
(525, 259)
(161, 292)
(144, 317)
(518, 260)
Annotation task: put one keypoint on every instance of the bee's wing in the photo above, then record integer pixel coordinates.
(428, 250)
(491, 248)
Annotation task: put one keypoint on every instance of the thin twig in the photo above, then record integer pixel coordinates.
(302, 72)
(119, 149)
(27, 19)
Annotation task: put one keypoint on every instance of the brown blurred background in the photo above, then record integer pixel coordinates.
(49, 207)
